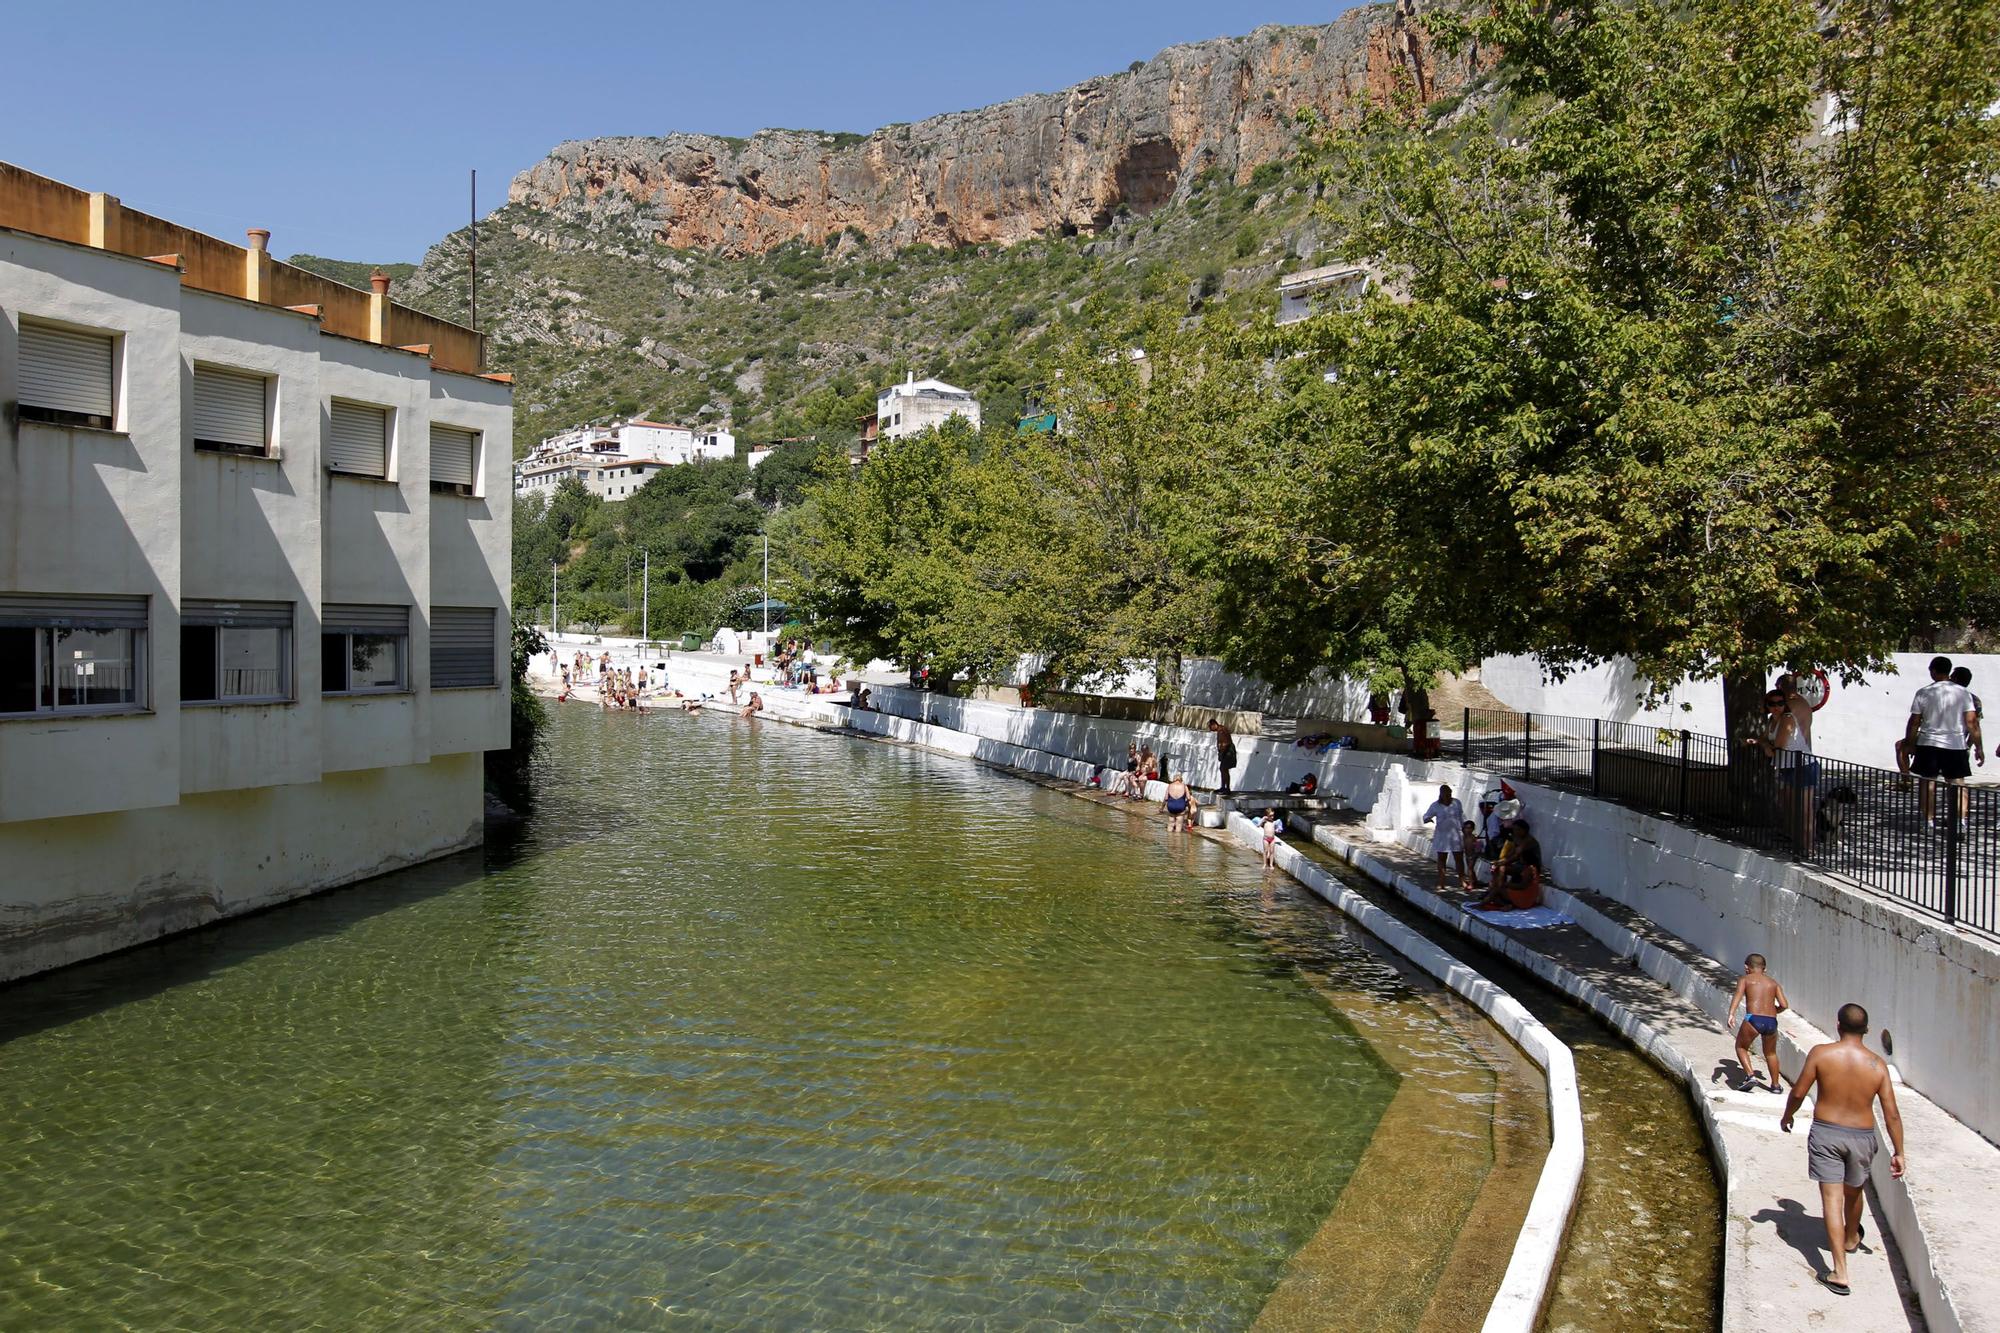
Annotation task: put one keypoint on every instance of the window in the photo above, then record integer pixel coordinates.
(462, 647)
(365, 649)
(357, 439)
(454, 459)
(231, 411)
(236, 652)
(71, 654)
(67, 375)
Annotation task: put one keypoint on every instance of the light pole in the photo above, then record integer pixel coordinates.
(767, 581)
(645, 595)
(555, 626)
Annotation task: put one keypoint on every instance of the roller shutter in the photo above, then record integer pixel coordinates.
(462, 647)
(237, 615)
(20, 610)
(345, 618)
(231, 409)
(453, 453)
(357, 439)
(63, 370)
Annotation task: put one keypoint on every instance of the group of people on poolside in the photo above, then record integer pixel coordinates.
(1502, 843)
(617, 687)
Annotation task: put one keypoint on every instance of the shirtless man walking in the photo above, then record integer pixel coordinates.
(1841, 1145)
(1762, 999)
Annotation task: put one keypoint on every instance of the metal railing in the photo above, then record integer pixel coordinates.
(1868, 825)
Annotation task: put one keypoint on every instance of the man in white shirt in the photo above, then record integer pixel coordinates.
(1943, 727)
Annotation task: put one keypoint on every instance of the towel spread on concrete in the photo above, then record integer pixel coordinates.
(1531, 918)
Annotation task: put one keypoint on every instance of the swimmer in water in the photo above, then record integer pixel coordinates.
(1180, 806)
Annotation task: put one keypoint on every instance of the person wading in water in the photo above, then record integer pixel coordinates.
(1179, 803)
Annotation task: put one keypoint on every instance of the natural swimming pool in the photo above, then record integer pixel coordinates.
(759, 1030)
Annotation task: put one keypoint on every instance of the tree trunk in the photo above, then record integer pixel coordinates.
(1743, 706)
(1167, 678)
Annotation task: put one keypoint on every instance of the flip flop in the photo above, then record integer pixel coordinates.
(1860, 1235)
(1837, 1288)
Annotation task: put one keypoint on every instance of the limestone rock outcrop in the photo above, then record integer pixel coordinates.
(1060, 162)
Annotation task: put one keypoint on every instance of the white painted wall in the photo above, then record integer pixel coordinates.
(75, 888)
(471, 556)
(91, 511)
(115, 829)
(250, 530)
(1860, 724)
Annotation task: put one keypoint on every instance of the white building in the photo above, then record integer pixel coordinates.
(614, 461)
(254, 572)
(917, 405)
(1315, 290)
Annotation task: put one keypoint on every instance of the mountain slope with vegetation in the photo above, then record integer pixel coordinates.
(625, 276)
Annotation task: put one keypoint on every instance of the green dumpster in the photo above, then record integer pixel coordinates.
(690, 643)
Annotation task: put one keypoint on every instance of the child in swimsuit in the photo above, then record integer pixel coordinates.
(1271, 826)
(1763, 999)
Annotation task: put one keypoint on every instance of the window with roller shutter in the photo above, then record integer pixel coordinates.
(454, 459)
(364, 649)
(357, 439)
(463, 647)
(67, 376)
(231, 411)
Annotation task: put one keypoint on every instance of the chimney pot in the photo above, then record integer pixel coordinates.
(260, 238)
(380, 282)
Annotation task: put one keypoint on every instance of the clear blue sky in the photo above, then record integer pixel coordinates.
(348, 128)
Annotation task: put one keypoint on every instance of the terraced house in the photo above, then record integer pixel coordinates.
(254, 536)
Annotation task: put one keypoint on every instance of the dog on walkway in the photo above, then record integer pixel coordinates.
(1834, 808)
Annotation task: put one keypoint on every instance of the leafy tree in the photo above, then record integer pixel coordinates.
(882, 559)
(1104, 540)
(1667, 374)
(784, 476)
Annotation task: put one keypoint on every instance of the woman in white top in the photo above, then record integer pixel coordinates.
(1447, 820)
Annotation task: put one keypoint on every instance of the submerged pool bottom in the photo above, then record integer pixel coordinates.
(752, 1029)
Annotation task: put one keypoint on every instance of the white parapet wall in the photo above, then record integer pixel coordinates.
(1860, 723)
(87, 885)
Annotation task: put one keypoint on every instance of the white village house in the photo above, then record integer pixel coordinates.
(917, 405)
(615, 460)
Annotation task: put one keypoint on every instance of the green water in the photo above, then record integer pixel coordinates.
(742, 1029)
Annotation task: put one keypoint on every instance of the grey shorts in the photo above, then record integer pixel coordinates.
(1837, 1155)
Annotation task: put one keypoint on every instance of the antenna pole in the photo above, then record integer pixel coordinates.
(472, 287)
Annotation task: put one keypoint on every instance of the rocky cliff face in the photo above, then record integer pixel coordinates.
(1061, 162)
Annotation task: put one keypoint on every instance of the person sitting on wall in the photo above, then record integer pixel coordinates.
(1517, 875)
(755, 706)
(1305, 786)
(863, 701)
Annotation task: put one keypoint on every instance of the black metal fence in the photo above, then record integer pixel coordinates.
(1930, 846)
